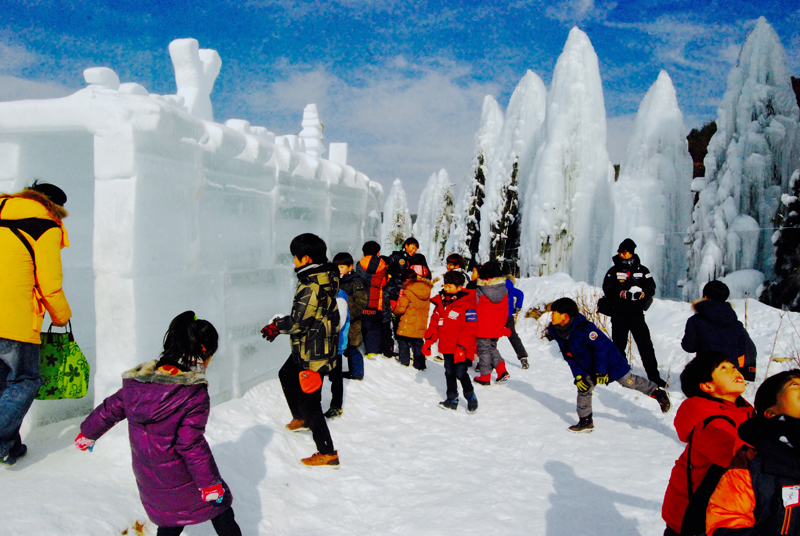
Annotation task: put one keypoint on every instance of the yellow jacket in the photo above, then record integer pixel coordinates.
(22, 304)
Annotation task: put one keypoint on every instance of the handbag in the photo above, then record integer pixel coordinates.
(64, 369)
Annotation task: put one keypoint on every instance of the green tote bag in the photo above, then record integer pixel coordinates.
(64, 369)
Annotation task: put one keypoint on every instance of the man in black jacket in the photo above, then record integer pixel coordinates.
(630, 288)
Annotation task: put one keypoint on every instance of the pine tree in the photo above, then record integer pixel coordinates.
(784, 291)
(505, 232)
(474, 212)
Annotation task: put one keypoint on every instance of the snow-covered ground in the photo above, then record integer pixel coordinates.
(408, 467)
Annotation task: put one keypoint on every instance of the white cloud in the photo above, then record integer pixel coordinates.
(14, 88)
(577, 12)
(403, 120)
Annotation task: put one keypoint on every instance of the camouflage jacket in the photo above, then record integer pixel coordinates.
(314, 322)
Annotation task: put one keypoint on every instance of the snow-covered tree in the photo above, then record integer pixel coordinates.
(514, 155)
(652, 197)
(465, 231)
(396, 219)
(567, 210)
(748, 166)
(434, 217)
(784, 290)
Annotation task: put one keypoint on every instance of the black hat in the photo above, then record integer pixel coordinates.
(627, 245)
(51, 191)
(716, 290)
(767, 394)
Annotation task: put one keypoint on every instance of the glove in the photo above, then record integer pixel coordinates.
(624, 294)
(582, 384)
(638, 295)
(270, 332)
(84, 443)
(213, 493)
(602, 379)
(426, 347)
(460, 355)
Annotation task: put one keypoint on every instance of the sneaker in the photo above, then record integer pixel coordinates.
(8, 461)
(297, 425)
(662, 398)
(524, 362)
(449, 404)
(18, 451)
(438, 358)
(315, 459)
(482, 380)
(333, 413)
(503, 378)
(349, 376)
(371, 356)
(472, 403)
(585, 425)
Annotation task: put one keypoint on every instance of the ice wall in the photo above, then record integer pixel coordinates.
(749, 162)
(170, 212)
(652, 197)
(567, 210)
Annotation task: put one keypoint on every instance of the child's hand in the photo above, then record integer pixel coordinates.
(270, 332)
(213, 493)
(602, 379)
(581, 384)
(84, 443)
(426, 347)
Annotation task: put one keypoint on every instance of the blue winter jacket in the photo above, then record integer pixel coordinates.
(590, 352)
(344, 331)
(515, 297)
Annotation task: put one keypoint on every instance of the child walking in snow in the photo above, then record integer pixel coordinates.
(515, 299)
(352, 284)
(492, 299)
(453, 325)
(707, 421)
(413, 306)
(594, 360)
(375, 323)
(166, 403)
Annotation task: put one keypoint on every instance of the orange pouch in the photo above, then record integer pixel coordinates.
(310, 381)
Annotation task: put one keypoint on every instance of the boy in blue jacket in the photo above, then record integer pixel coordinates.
(594, 360)
(515, 297)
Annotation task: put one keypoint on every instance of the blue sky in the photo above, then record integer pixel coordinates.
(401, 82)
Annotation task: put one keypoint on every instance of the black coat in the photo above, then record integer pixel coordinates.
(623, 276)
(715, 327)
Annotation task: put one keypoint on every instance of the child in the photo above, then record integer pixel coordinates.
(314, 330)
(353, 286)
(337, 385)
(515, 299)
(376, 325)
(166, 403)
(492, 298)
(707, 421)
(413, 307)
(453, 324)
(455, 262)
(594, 360)
(759, 491)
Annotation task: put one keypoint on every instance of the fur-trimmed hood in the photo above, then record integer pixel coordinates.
(149, 373)
(57, 212)
(420, 287)
(719, 313)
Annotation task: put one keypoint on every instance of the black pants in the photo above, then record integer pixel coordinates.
(387, 339)
(514, 339)
(669, 532)
(407, 345)
(337, 384)
(224, 524)
(633, 323)
(371, 330)
(305, 406)
(456, 371)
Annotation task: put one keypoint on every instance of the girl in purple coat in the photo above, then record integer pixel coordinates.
(166, 403)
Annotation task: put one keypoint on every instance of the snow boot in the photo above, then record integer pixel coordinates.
(662, 398)
(502, 373)
(333, 413)
(585, 425)
(524, 362)
(486, 379)
(449, 404)
(318, 459)
(297, 425)
(18, 451)
(472, 403)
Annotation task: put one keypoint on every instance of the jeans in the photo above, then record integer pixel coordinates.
(224, 524)
(355, 362)
(19, 384)
(406, 345)
(456, 371)
(305, 406)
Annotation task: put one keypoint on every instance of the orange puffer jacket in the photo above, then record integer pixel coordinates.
(38, 221)
(414, 304)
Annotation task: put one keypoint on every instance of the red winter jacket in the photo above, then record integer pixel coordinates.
(713, 442)
(453, 324)
(492, 297)
(374, 270)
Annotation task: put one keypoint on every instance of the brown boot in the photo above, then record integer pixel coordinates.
(297, 425)
(322, 459)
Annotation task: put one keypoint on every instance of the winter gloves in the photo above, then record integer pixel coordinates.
(84, 443)
(270, 332)
(582, 384)
(634, 294)
(213, 493)
(602, 379)
(426, 347)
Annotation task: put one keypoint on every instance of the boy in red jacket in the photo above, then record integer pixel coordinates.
(708, 421)
(492, 308)
(453, 324)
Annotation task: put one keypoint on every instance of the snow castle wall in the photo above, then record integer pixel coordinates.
(170, 212)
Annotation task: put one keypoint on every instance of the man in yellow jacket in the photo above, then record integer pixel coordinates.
(31, 238)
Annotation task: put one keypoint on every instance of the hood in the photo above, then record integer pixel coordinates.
(719, 313)
(421, 288)
(764, 435)
(57, 212)
(154, 396)
(494, 288)
(148, 373)
(319, 271)
(622, 264)
(373, 264)
(696, 409)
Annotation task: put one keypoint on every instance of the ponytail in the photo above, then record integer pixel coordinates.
(188, 342)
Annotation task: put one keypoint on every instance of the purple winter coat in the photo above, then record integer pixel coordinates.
(167, 418)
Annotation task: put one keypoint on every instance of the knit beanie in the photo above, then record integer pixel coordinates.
(767, 394)
(716, 290)
(627, 245)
